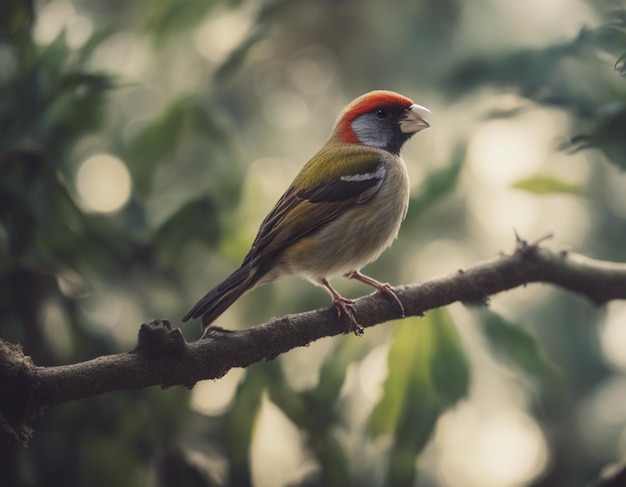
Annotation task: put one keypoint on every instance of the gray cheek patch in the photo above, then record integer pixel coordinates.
(370, 132)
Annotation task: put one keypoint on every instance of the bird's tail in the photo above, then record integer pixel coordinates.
(222, 296)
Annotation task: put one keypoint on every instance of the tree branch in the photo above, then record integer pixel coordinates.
(162, 356)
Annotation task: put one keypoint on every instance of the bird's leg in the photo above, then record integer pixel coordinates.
(383, 287)
(208, 327)
(344, 308)
(214, 329)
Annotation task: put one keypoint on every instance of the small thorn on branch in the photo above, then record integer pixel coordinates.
(519, 241)
(522, 245)
(547, 236)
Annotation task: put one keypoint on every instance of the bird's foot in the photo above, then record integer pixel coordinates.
(382, 287)
(214, 329)
(388, 290)
(346, 310)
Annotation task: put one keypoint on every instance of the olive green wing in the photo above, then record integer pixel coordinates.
(335, 180)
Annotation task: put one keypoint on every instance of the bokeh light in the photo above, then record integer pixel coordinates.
(213, 397)
(221, 33)
(125, 54)
(613, 335)
(502, 151)
(58, 16)
(52, 19)
(498, 448)
(615, 187)
(266, 179)
(602, 416)
(373, 371)
(56, 329)
(277, 454)
(285, 109)
(103, 183)
(511, 449)
(312, 71)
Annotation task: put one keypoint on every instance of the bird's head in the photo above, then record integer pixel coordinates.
(381, 119)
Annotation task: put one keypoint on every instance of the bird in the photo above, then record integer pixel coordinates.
(342, 210)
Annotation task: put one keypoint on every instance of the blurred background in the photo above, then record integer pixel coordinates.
(142, 143)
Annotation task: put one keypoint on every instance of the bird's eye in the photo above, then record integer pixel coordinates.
(380, 113)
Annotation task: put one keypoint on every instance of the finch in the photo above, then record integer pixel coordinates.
(342, 210)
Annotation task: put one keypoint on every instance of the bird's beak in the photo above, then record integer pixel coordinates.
(413, 119)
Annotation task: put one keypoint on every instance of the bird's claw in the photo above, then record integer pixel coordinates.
(386, 289)
(214, 329)
(383, 287)
(345, 308)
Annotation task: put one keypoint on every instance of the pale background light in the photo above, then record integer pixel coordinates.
(220, 34)
(103, 183)
(212, 397)
(490, 448)
(56, 329)
(58, 16)
(313, 71)
(52, 19)
(602, 417)
(277, 453)
(613, 335)
(113, 313)
(511, 449)
(373, 371)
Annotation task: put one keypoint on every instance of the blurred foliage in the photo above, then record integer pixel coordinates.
(438, 184)
(167, 17)
(515, 345)
(428, 373)
(75, 283)
(543, 75)
(156, 143)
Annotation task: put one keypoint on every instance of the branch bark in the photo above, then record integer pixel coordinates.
(163, 358)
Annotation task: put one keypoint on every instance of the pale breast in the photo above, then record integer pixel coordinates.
(359, 235)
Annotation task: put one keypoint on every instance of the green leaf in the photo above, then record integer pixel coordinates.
(239, 422)
(427, 373)
(94, 41)
(607, 135)
(16, 18)
(407, 359)
(515, 345)
(450, 370)
(237, 57)
(545, 184)
(416, 424)
(158, 141)
(334, 460)
(196, 219)
(315, 411)
(169, 16)
(426, 352)
(17, 220)
(437, 185)
(570, 76)
(620, 65)
(333, 372)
